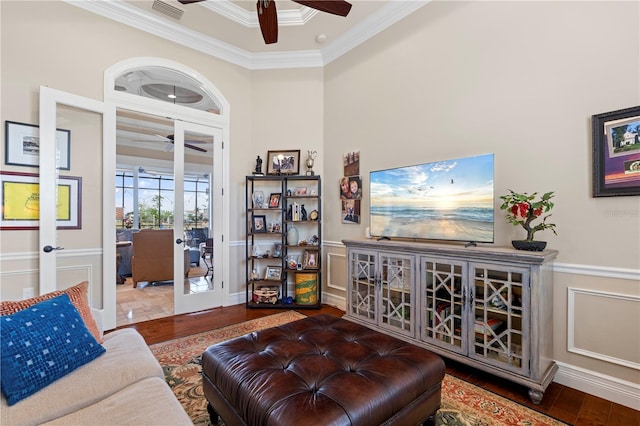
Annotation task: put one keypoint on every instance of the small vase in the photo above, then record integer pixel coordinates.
(292, 236)
(529, 245)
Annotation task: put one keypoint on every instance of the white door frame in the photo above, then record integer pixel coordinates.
(115, 99)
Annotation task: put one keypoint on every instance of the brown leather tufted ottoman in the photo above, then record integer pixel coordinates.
(321, 370)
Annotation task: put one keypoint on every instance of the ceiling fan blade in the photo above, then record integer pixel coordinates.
(268, 20)
(189, 1)
(336, 7)
(196, 148)
(171, 138)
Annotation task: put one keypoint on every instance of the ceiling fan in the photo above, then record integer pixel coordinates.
(187, 143)
(268, 17)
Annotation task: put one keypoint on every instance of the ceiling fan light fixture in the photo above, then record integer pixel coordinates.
(177, 94)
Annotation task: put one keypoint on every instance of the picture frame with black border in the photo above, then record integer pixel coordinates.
(274, 200)
(288, 164)
(259, 224)
(22, 145)
(616, 153)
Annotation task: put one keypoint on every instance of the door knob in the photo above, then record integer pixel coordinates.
(49, 249)
(179, 241)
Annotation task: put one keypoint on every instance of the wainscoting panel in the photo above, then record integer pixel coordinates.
(596, 321)
(336, 271)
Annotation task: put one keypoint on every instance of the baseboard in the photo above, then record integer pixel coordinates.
(610, 388)
(239, 298)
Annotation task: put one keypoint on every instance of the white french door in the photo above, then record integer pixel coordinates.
(92, 133)
(93, 159)
(197, 293)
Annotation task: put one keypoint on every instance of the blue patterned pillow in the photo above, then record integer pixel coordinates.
(41, 344)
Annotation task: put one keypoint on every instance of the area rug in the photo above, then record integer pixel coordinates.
(463, 404)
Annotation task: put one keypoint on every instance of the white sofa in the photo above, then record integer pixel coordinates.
(123, 386)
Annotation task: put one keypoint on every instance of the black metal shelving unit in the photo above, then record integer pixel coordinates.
(298, 287)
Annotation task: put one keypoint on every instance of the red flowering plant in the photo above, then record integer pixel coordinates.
(523, 209)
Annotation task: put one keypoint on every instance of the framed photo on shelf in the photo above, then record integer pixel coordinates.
(283, 162)
(21, 201)
(273, 273)
(616, 153)
(274, 200)
(300, 191)
(310, 259)
(259, 224)
(22, 145)
(258, 199)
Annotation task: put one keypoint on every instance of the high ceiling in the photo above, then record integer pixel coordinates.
(229, 29)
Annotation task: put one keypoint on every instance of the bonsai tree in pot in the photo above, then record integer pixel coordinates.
(523, 209)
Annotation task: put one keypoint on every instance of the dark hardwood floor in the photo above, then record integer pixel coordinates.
(564, 403)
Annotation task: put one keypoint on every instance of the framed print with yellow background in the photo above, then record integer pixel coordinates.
(21, 201)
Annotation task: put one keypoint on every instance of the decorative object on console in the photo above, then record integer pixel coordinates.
(522, 209)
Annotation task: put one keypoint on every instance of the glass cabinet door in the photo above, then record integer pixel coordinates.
(444, 298)
(362, 297)
(500, 319)
(397, 278)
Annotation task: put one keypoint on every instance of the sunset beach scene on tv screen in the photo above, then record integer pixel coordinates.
(444, 200)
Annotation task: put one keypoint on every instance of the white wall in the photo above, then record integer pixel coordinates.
(521, 80)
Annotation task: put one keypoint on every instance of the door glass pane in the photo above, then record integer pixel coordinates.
(198, 223)
(145, 202)
(79, 221)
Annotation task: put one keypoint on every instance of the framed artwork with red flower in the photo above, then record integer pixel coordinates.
(616, 153)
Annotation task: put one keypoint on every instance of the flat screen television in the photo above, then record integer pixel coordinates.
(444, 200)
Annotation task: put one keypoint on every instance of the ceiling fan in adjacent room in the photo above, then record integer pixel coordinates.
(187, 143)
(268, 17)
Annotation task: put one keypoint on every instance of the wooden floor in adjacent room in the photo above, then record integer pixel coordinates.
(561, 402)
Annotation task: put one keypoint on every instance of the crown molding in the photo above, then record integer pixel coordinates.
(376, 23)
(123, 13)
(249, 19)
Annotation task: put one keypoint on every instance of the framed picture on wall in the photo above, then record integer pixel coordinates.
(21, 201)
(616, 153)
(22, 145)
